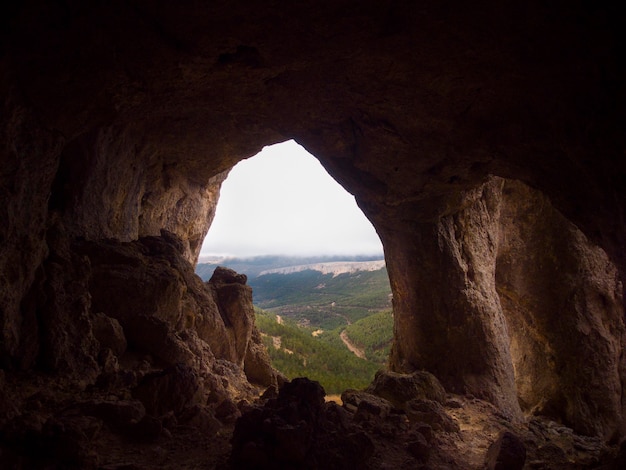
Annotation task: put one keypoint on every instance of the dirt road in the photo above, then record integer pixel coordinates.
(358, 352)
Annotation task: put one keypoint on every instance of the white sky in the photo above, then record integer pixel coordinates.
(282, 201)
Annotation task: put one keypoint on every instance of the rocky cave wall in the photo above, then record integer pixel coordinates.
(121, 120)
(521, 306)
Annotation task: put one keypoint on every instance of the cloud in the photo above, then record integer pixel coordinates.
(282, 201)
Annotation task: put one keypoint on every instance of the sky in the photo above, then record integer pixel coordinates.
(282, 201)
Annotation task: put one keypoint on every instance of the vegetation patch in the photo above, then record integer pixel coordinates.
(300, 354)
(373, 334)
(323, 300)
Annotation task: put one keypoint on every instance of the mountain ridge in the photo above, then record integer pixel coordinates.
(333, 267)
(254, 265)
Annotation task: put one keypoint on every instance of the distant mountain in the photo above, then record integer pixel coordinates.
(334, 267)
(253, 266)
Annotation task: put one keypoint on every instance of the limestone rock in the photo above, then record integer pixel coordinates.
(165, 310)
(519, 275)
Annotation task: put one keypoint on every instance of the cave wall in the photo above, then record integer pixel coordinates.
(447, 314)
(122, 119)
(508, 301)
(562, 299)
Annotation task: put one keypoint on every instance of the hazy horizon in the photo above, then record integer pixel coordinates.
(321, 258)
(283, 202)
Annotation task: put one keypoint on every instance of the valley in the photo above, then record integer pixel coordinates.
(327, 319)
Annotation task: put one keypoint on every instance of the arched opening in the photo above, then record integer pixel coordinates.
(314, 262)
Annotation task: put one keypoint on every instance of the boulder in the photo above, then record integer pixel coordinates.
(354, 400)
(400, 388)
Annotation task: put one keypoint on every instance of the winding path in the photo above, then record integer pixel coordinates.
(358, 352)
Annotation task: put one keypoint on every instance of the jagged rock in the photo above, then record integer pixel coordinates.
(506, 453)
(173, 315)
(230, 382)
(234, 303)
(401, 388)
(222, 276)
(257, 364)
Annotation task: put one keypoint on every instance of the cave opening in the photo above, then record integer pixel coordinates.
(524, 303)
(315, 264)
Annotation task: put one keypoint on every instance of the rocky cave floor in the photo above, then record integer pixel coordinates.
(59, 427)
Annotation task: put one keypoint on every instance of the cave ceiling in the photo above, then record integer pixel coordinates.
(405, 103)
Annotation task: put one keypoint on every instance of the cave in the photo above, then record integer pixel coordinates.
(483, 141)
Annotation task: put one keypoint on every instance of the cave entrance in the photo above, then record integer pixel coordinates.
(314, 262)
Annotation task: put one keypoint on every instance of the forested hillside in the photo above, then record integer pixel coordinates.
(296, 352)
(323, 300)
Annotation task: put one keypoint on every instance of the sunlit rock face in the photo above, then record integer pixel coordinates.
(122, 119)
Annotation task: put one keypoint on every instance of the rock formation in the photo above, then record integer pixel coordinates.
(120, 120)
(515, 299)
